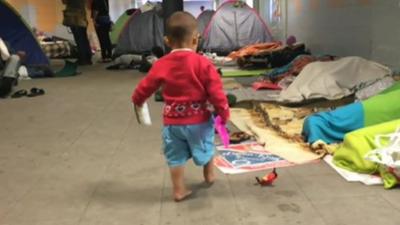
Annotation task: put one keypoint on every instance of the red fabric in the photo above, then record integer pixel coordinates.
(187, 80)
(255, 49)
(265, 85)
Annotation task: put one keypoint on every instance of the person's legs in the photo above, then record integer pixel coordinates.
(180, 190)
(6, 84)
(82, 42)
(86, 45)
(201, 141)
(11, 68)
(100, 36)
(78, 42)
(9, 76)
(103, 33)
(208, 172)
(176, 153)
(107, 41)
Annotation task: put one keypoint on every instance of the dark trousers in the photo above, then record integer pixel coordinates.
(82, 42)
(103, 33)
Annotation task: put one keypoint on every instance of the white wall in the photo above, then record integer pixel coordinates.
(276, 25)
(117, 7)
(352, 28)
(194, 6)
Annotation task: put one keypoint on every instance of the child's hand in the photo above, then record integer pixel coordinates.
(221, 129)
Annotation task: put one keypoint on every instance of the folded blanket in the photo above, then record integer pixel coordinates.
(332, 80)
(331, 127)
(350, 155)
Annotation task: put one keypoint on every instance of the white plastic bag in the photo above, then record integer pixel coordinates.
(387, 155)
(143, 114)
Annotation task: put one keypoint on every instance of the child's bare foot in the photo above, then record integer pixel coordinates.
(208, 172)
(209, 178)
(182, 196)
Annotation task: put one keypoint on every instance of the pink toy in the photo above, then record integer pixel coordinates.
(221, 129)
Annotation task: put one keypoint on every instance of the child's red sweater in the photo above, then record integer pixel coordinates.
(189, 81)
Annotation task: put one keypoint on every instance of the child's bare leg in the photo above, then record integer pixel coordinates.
(208, 172)
(180, 191)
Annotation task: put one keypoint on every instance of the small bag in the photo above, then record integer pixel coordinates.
(74, 18)
(387, 156)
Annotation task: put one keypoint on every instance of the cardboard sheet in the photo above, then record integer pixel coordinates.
(349, 176)
(247, 157)
(292, 151)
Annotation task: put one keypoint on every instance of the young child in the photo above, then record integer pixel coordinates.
(189, 82)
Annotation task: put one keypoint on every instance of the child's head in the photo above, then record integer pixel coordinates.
(182, 31)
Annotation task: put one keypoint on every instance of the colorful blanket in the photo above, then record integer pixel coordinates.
(294, 67)
(350, 155)
(287, 122)
(330, 127)
(57, 49)
(291, 150)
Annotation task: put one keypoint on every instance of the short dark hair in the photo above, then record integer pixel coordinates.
(181, 26)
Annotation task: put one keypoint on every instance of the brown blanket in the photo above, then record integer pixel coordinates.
(292, 150)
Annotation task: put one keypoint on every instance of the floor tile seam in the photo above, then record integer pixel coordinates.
(387, 201)
(234, 198)
(310, 201)
(69, 147)
(162, 195)
(103, 174)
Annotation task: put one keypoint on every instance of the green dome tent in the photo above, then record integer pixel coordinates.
(120, 24)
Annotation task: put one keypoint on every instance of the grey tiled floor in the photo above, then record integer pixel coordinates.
(76, 156)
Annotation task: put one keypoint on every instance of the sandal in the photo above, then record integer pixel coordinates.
(19, 93)
(239, 137)
(36, 92)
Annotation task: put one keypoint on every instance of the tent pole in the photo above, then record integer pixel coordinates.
(169, 7)
(216, 4)
(256, 6)
(286, 18)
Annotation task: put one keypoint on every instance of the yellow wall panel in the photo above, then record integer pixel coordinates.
(315, 4)
(18, 4)
(46, 14)
(298, 4)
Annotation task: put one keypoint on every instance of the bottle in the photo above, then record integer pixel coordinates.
(143, 114)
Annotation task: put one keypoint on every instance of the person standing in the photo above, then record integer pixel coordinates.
(9, 64)
(189, 83)
(75, 19)
(102, 23)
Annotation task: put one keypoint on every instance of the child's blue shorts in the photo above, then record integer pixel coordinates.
(182, 142)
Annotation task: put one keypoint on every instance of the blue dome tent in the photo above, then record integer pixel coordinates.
(18, 35)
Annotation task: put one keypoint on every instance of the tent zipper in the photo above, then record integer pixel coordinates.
(236, 29)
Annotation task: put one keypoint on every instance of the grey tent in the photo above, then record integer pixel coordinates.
(204, 19)
(142, 33)
(234, 25)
